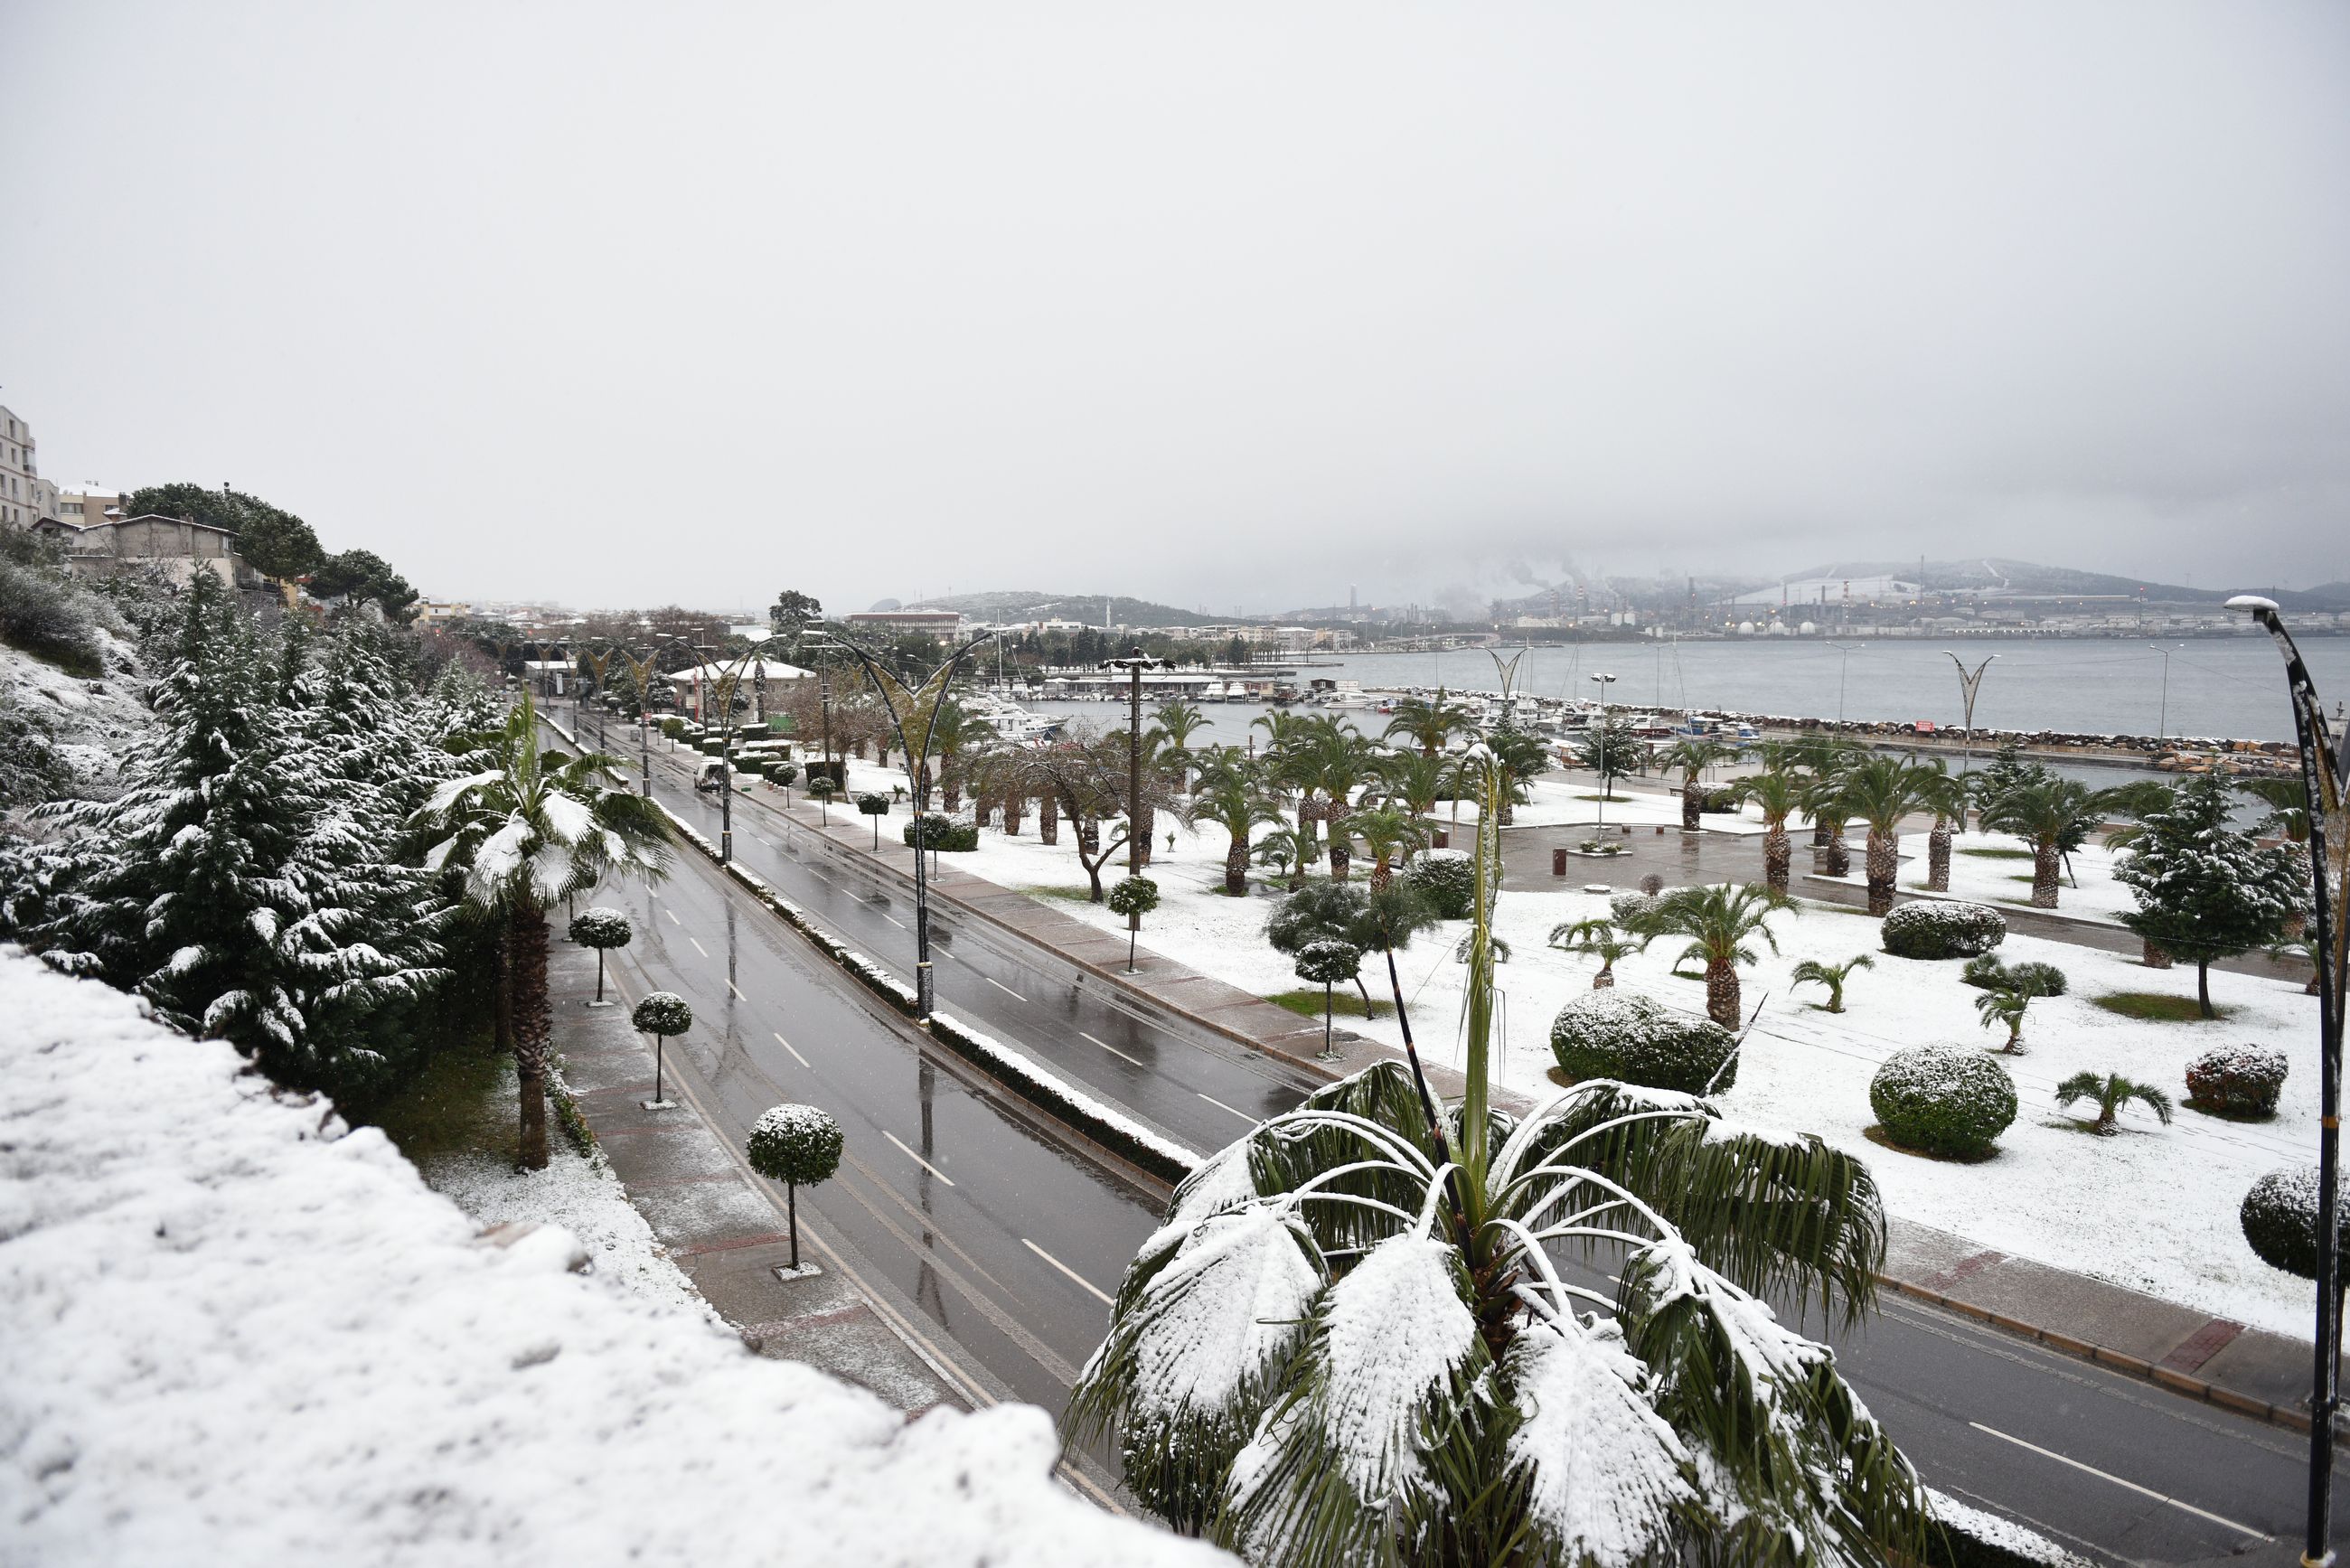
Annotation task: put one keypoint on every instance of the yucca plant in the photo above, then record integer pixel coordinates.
(1602, 939)
(1352, 1344)
(1811, 971)
(2111, 1092)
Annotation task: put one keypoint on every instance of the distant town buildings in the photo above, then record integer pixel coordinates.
(933, 622)
(20, 481)
(172, 544)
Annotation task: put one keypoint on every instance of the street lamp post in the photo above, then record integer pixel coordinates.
(912, 714)
(1967, 686)
(1602, 681)
(2162, 724)
(2324, 781)
(1844, 668)
(1134, 664)
(728, 681)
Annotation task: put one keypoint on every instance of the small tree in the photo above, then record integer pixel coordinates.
(1718, 920)
(1334, 912)
(798, 1146)
(600, 929)
(783, 773)
(661, 1015)
(1811, 971)
(2111, 1092)
(2206, 891)
(1609, 750)
(1133, 898)
(2006, 1005)
(877, 806)
(1690, 757)
(823, 788)
(1328, 963)
(2056, 815)
(1598, 939)
(1289, 851)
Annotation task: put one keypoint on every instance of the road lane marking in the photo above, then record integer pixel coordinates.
(1114, 1050)
(1222, 1106)
(737, 991)
(2129, 1485)
(892, 920)
(796, 1055)
(1087, 1284)
(1001, 986)
(672, 916)
(917, 1159)
(698, 948)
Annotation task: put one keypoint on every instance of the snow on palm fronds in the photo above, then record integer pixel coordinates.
(1346, 1348)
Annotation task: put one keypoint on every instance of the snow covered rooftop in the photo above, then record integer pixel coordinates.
(755, 670)
(238, 1333)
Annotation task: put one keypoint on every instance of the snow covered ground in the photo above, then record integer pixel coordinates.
(2153, 1208)
(93, 722)
(2004, 876)
(239, 1333)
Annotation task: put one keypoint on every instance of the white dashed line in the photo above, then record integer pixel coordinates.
(1114, 1050)
(1084, 1282)
(787, 1046)
(1222, 1106)
(2129, 1485)
(737, 991)
(698, 948)
(672, 916)
(1001, 986)
(917, 1159)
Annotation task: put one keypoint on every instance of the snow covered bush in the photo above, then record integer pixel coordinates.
(796, 1143)
(2280, 1219)
(1634, 911)
(1931, 929)
(1989, 971)
(1616, 1034)
(941, 832)
(1942, 1099)
(2241, 1082)
(1133, 896)
(1447, 878)
(602, 928)
(664, 1014)
(872, 803)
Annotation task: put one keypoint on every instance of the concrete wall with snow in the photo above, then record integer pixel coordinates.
(238, 1333)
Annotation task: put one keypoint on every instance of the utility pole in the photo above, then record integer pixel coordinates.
(1604, 681)
(1134, 664)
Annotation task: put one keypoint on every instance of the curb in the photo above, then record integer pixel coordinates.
(2177, 1382)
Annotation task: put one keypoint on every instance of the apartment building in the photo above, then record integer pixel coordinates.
(21, 490)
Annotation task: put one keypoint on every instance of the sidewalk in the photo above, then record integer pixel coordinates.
(719, 1222)
(2253, 1372)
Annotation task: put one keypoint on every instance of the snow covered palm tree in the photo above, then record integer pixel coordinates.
(1231, 795)
(1834, 976)
(1384, 833)
(1602, 939)
(1778, 794)
(1355, 1340)
(1428, 722)
(1718, 920)
(1690, 757)
(2055, 815)
(2111, 1092)
(1881, 791)
(528, 828)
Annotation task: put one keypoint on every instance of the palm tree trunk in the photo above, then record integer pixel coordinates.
(1938, 856)
(1236, 860)
(1146, 821)
(1341, 850)
(1012, 805)
(1722, 992)
(1777, 851)
(1381, 875)
(1691, 799)
(502, 1005)
(1048, 819)
(527, 928)
(1606, 979)
(1839, 855)
(1883, 864)
(2043, 876)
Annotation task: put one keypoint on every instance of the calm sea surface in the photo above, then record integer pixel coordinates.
(2230, 689)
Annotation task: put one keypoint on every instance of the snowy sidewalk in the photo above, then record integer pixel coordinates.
(718, 1222)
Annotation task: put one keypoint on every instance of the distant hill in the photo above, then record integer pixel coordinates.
(1021, 604)
(1995, 576)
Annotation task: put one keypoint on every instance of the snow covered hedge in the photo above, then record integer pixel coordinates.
(1631, 911)
(2280, 1219)
(1616, 1034)
(239, 1333)
(1933, 929)
(2238, 1080)
(941, 832)
(1447, 878)
(1943, 1099)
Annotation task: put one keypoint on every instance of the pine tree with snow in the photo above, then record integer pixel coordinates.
(528, 828)
(1349, 1343)
(2206, 891)
(229, 883)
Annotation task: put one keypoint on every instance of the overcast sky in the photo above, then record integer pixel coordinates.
(1229, 306)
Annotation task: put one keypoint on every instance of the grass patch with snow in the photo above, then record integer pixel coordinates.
(2156, 1007)
(1343, 1004)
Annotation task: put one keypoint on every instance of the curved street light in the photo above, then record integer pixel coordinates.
(2325, 782)
(1969, 685)
(912, 713)
(1603, 680)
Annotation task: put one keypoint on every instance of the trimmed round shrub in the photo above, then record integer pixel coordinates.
(1990, 974)
(798, 1144)
(782, 773)
(602, 928)
(1617, 1033)
(1133, 896)
(2238, 1080)
(941, 832)
(2280, 1219)
(664, 1012)
(1328, 962)
(1447, 879)
(1931, 929)
(873, 804)
(1943, 1100)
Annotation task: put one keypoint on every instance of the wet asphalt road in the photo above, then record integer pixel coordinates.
(1006, 1235)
